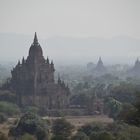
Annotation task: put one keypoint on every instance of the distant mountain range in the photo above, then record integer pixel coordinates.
(67, 50)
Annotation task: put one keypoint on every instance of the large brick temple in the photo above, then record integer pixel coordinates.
(33, 81)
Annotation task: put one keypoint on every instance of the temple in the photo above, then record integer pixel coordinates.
(33, 81)
(100, 68)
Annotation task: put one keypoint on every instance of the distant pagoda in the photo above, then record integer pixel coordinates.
(135, 71)
(100, 68)
(33, 81)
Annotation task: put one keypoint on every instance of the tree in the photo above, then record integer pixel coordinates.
(113, 106)
(126, 111)
(59, 137)
(80, 99)
(99, 89)
(80, 136)
(62, 128)
(9, 108)
(102, 136)
(133, 114)
(125, 92)
(30, 124)
(88, 129)
(27, 136)
(3, 118)
(6, 95)
(123, 131)
(32, 109)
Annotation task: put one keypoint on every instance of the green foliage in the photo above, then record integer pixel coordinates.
(125, 92)
(9, 108)
(99, 89)
(6, 95)
(59, 137)
(122, 131)
(127, 111)
(131, 114)
(3, 118)
(102, 136)
(88, 129)
(62, 128)
(128, 133)
(93, 135)
(32, 109)
(31, 124)
(27, 137)
(113, 106)
(80, 99)
(116, 127)
(80, 136)
(113, 131)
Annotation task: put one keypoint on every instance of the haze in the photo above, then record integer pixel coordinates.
(73, 31)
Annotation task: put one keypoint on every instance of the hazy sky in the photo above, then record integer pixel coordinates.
(74, 18)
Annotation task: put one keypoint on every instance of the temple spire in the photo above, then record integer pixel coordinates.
(137, 59)
(59, 80)
(35, 39)
(100, 66)
(23, 60)
(47, 60)
(100, 59)
(100, 62)
(137, 62)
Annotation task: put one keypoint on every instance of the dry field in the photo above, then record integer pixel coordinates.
(78, 121)
(4, 127)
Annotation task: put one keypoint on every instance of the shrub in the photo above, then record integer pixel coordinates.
(80, 136)
(31, 124)
(3, 118)
(41, 134)
(32, 109)
(59, 137)
(6, 95)
(93, 136)
(9, 108)
(104, 136)
(92, 127)
(129, 133)
(113, 106)
(28, 137)
(131, 114)
(62, 128)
